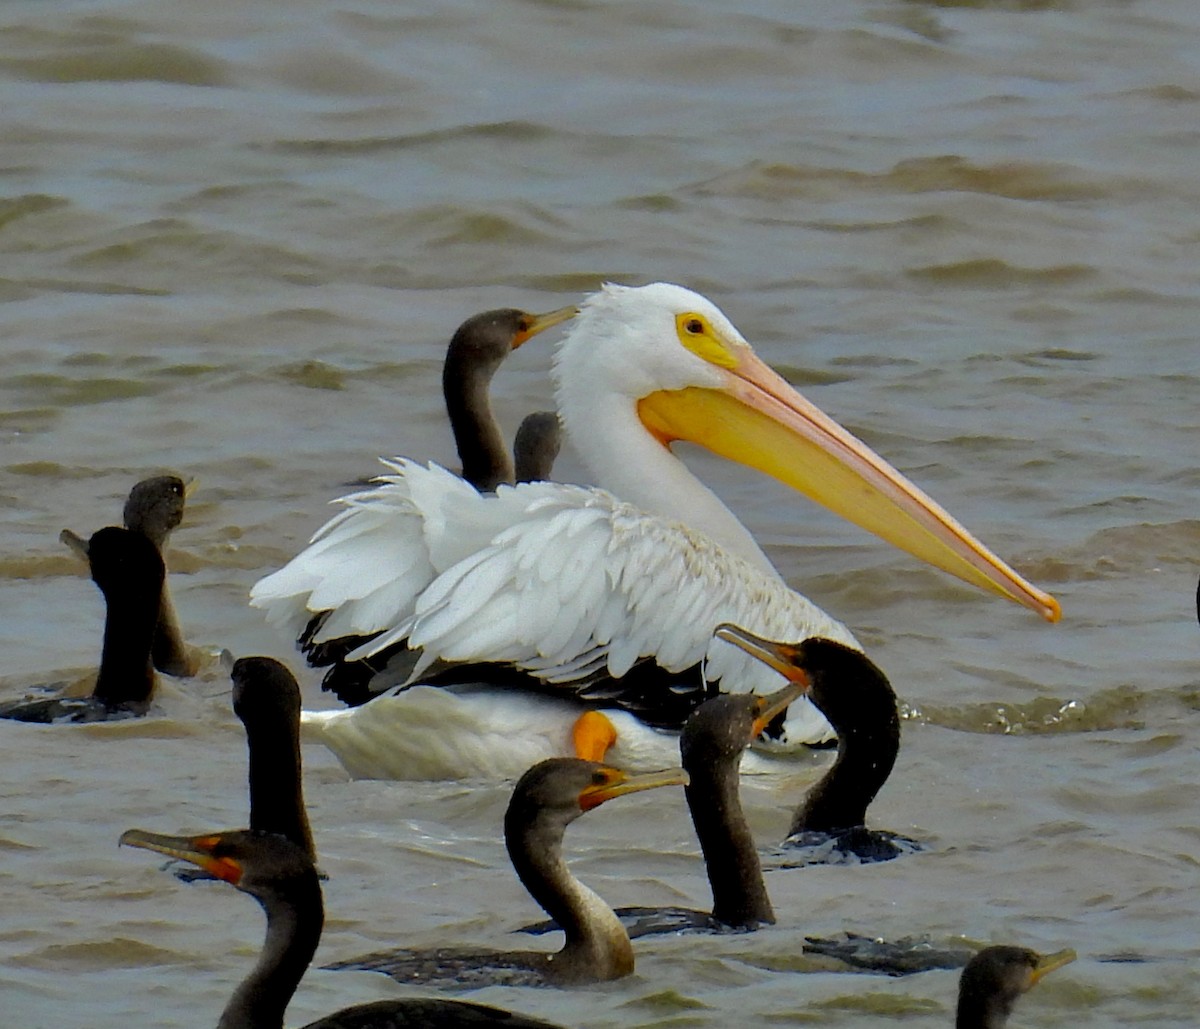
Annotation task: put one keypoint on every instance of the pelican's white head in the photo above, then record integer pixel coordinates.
(642, 367)
(630, 341)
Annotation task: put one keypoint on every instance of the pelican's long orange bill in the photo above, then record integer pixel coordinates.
(759, 420)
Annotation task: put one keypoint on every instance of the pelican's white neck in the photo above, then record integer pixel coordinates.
(629, 462)
(625, 459)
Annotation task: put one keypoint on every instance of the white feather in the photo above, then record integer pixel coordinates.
(626, 585)
(427, 732)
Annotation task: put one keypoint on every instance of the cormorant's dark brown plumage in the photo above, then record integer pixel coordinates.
(536, 446)
(154, 508)
(129, 571)
(713, 741)
(281, 877)
(994, 979)
(266, 698)
(545, 801)
(476, 350)
(857, 699)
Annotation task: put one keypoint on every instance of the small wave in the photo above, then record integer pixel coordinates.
(484, 227)
(41, 566)
(657, 203)
(1017, 180)
(123, 62)
(492, 132)
(1142, 295)
(1119, 550)
(1039, 358)
(1123, 707)
(329, 73)
(881, 360)
(95, 956)
(939, 174)
(65, 391)
(800, 376)
(94, 288)
(161, 246)
(924, 223)
(1043, 313)
(993, 273)
(1002, 5)
(1044, 715)
(1168, 92)
(13, 208)
(1162, 543)
(314, 375)
(51, 470)
(665, 1003)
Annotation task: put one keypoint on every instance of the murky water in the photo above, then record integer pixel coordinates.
(233, 241)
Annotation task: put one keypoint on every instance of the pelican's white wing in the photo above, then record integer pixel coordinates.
(565, 583)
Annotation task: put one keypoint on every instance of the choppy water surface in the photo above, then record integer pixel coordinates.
(233, 240)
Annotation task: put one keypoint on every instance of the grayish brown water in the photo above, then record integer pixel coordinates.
(233, 240)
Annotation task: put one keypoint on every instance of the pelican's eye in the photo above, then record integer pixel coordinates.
(697, 335)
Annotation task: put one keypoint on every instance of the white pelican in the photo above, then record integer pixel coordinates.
(596, 600)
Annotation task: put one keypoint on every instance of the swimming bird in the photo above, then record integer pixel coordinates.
(154, 508)
(266, 698)
(712, 743)
(856, 697)
(476, 351)
(994, 979)
(546, 799)
(281, 877)
(129, 571)
(568, 590)
(711, 746)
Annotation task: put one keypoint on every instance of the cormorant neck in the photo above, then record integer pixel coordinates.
(169, 653)
(865, 756)
(734, 871)
(276, 788)
(295, 917)
(982, 1010)
(126, 675)
(597, 946)
(485, 460)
